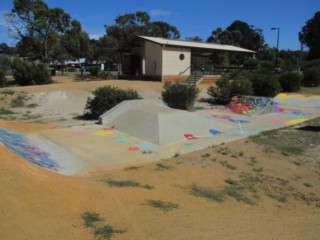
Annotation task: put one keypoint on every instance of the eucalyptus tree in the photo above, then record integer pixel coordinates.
(239, 34)
(131, 25)
(37, 27)
(162, 29)
(310, 36)
(103, 50)
(127, 28)
(75, 41)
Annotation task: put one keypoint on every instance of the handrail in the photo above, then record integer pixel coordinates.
(185, 70)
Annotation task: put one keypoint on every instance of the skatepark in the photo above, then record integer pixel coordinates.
(142, 131)
(53, 168)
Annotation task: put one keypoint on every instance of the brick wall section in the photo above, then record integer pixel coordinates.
(210, 79)
(174, 78)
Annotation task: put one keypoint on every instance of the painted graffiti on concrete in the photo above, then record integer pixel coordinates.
(248, 104)
(21, 145)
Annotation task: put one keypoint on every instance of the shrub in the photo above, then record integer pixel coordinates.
(242, 87)
(107, 231)
(180, 96)
(221, 94)
(226, 88)
(311, 76)
(106, 98)
(4, 66)
(162, 205)
(126, 183)
(2, 78)
(94, 71)
(26, 73)
(313, 63)
(251, 63)
(90, 218)
(290, 82)
(265, 84)
(71, 69)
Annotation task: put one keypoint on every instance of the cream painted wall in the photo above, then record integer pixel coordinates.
(172, 65)
(153, 59)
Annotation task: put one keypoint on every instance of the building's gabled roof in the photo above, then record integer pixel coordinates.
(196, 45)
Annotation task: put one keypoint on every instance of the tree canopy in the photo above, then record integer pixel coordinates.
(239, 34)
(310, 35)
(129, 26)
(75, 41)
(37, 27)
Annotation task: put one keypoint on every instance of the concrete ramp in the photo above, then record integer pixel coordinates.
(300, 100)
(160, 124)
(110, 115)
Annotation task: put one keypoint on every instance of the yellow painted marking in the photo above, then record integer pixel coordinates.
(103, 133)
(296, 121)
(173, 150)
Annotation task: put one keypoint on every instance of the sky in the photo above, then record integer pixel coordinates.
(191, 18)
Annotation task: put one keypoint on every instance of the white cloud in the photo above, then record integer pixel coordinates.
(160, 12)
(95, 34)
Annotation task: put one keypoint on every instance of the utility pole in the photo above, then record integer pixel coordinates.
(276, 63)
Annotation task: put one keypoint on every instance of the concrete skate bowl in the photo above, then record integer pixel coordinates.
(299, 100)
(156, 123)
(60, 103)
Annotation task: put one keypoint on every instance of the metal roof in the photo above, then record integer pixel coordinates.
(197, 45)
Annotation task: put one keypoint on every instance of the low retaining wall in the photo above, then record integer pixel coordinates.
(174, 78)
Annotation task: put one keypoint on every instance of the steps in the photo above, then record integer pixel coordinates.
(193, 79)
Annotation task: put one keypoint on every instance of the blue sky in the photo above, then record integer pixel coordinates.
(192, 18)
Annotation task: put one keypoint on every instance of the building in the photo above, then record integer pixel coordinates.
(170, 60)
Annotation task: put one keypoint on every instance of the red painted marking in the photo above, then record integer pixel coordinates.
(190, 137)
(110, 128)
(133, 148)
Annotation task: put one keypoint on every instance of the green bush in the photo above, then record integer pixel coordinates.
(222, 92)
(311, 77)
(290, 82)
(180, 96)
(71, 69)
(26, 73)
(310, 64)
(241, 87)
(106, 98)
(4, 66)
(226, 88)
(94, 70)
(251, 63)
(2, 78)
(265, 84)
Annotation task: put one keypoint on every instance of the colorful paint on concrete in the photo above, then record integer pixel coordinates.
(296, 121)
(21, 146)
(249, 104)
(215, 132)
(302, 100)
